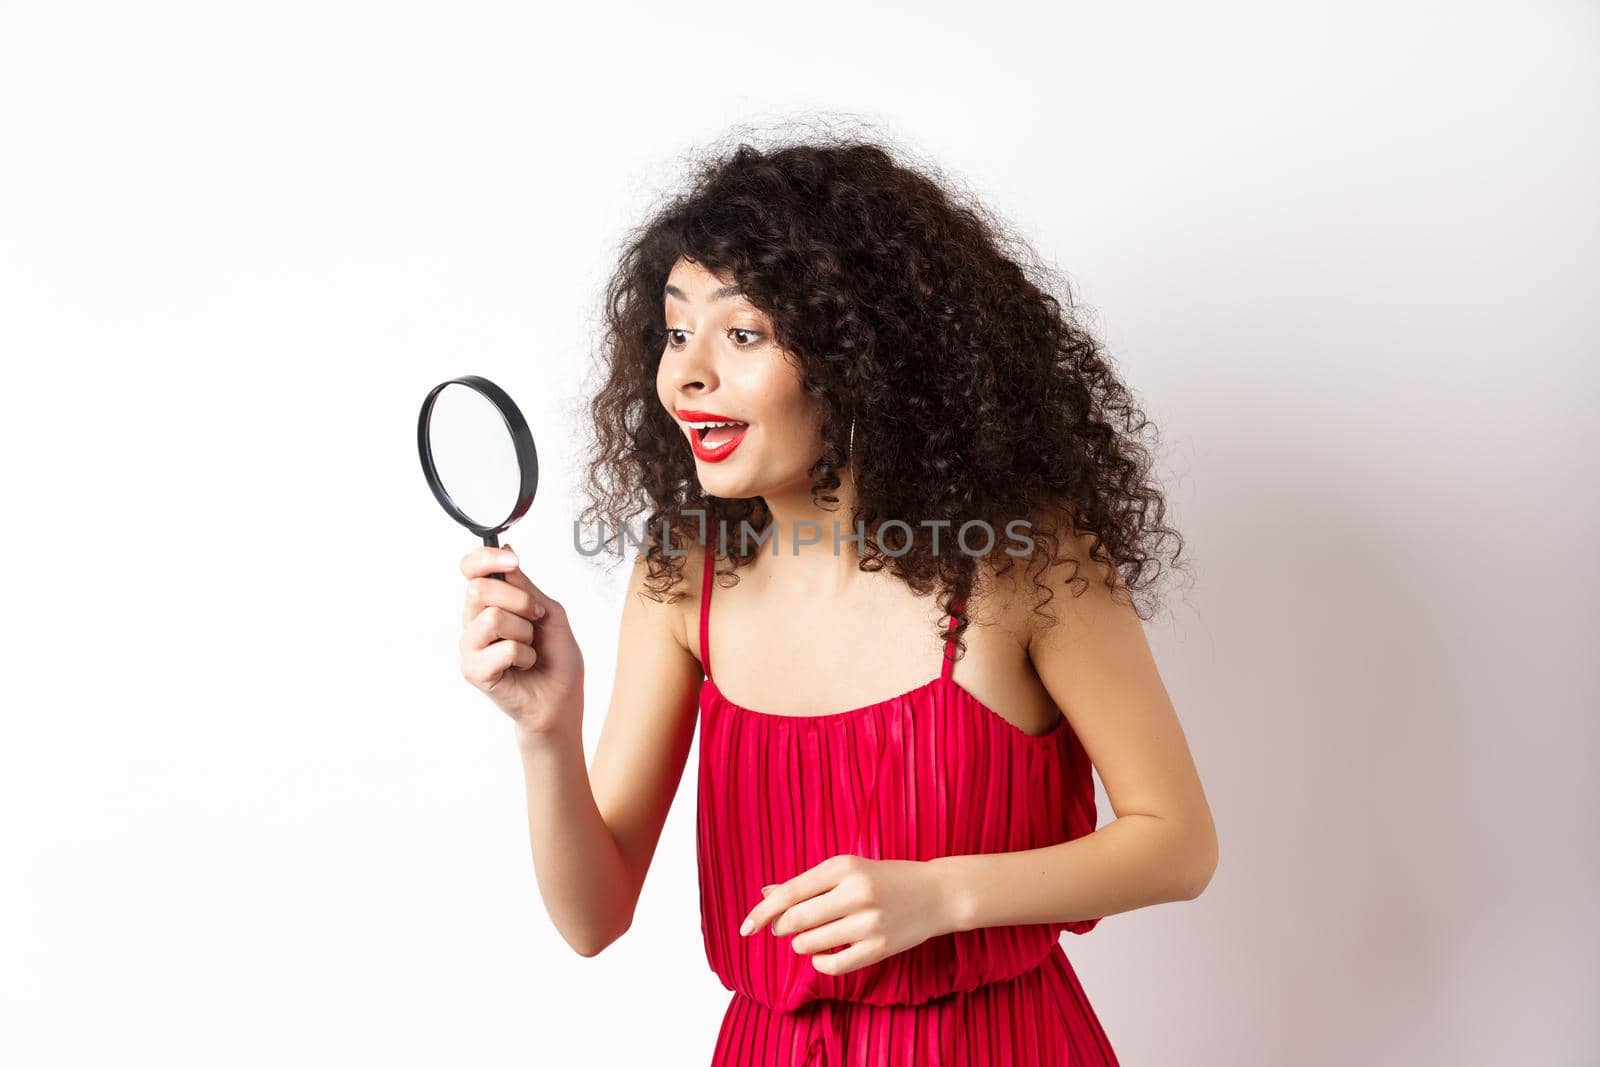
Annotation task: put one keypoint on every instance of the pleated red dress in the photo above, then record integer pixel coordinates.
(931, 772)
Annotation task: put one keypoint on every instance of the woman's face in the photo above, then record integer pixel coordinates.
(720, 364)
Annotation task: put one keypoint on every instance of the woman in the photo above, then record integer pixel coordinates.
(825, 347)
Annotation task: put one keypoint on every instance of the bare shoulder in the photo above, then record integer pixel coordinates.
(1037, 583)
(675, 606)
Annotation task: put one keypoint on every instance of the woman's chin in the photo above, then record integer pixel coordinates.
(732, 481)
(727, 486)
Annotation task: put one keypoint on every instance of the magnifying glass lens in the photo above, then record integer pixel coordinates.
(474, 454)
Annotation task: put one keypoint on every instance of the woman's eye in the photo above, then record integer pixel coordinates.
(741, 337)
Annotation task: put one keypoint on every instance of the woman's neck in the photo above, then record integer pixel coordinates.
(808, 543)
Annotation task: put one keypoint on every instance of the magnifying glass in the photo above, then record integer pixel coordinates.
(471, 436)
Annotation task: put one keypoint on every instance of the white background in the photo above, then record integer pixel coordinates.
(1345, 253)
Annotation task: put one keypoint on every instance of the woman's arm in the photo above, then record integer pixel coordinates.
(594, 830)
(1162, 846)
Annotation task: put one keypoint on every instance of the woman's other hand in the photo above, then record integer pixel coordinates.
(865, 909)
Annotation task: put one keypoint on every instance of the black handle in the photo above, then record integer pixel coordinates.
(492, 540)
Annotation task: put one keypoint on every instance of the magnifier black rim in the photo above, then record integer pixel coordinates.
(522, 440)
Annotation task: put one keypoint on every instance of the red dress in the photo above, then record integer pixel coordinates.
(931, 772)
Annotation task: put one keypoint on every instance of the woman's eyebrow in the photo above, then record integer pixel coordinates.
(719, 294)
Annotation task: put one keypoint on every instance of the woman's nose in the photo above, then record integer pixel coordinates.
(692, 365)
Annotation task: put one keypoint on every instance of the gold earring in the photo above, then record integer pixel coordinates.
(851, 455)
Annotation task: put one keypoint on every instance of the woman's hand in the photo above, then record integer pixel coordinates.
(516, 645)
(876, 907)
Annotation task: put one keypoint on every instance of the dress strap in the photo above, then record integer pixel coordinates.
(949, 649)
(705, 611)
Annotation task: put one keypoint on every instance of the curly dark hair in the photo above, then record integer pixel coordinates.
(977, 393)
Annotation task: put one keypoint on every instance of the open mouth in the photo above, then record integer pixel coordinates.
(715, 435)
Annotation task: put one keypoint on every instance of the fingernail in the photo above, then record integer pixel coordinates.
(507, 559)
(767, 889)
(746, 927)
